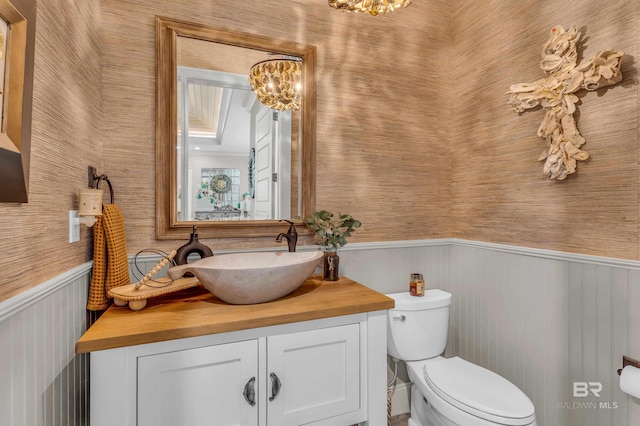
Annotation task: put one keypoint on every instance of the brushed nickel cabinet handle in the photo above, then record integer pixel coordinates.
(276, 385)
(250, 392)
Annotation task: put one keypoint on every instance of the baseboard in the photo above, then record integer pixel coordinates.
(400, 399)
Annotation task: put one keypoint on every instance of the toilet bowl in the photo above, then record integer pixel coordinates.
(448, 391)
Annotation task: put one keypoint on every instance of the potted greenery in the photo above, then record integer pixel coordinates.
(331, 233)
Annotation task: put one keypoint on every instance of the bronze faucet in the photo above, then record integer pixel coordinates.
(291, 236)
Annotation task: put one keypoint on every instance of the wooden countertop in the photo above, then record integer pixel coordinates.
(196, 312)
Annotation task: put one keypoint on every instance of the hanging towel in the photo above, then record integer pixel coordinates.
(98, 300)
(110, 261)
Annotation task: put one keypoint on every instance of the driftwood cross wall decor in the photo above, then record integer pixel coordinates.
(556, 94)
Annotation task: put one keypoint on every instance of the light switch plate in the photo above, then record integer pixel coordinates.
(74, 226)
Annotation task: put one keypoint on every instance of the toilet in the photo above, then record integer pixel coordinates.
(448, 391)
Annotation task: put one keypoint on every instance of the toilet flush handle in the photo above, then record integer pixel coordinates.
(399, 318)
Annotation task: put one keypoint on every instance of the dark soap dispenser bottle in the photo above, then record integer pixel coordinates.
(193, 246)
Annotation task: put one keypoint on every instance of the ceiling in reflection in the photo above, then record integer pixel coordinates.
(218, 118)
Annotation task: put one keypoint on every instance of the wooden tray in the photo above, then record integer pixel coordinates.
(137, 297)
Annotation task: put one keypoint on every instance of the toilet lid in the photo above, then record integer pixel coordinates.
(479, 391)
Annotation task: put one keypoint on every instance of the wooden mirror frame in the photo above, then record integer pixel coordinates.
(167, 225)
(15, 135)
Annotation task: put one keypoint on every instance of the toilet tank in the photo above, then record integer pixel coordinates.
(417, 326)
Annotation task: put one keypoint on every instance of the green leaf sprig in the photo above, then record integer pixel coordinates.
(332, 231)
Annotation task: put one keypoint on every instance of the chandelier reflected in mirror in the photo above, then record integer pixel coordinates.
(373, 7)
(277, 82)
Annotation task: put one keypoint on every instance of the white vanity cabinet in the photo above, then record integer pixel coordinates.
(319, 372)
(315, 357)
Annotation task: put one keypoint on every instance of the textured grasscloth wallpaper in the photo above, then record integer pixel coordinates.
(383, 89)
(414, 134)
(66, 137)
(499, 193)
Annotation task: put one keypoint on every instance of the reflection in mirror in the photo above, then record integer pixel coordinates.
(227, 129)
(225, 162)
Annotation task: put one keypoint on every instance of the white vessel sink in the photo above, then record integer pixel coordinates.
(252, 277)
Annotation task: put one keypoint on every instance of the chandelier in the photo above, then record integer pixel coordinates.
(277, 82)
(373, 7)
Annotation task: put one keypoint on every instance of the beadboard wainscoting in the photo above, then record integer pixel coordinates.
(545, 320)
(542, 319)
(42, 380)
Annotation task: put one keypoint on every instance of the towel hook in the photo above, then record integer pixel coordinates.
(94, 177)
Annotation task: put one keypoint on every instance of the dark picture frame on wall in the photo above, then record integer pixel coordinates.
(18, 21)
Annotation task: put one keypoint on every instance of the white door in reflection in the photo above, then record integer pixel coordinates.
(265, 132)
(271, 137)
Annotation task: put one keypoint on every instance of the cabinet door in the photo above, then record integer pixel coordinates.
(201, 386)
(319, 374)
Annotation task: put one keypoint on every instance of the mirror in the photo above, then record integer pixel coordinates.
(17, 41)
(211, 169)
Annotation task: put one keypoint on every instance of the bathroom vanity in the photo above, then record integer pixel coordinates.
(316, 356)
